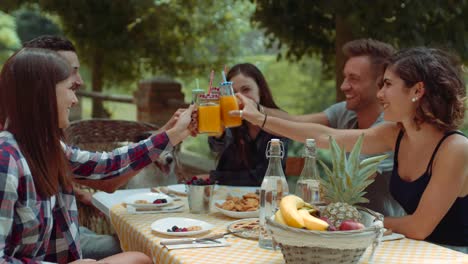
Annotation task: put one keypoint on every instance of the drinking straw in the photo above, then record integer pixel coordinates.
(211, 81)
(224, 76)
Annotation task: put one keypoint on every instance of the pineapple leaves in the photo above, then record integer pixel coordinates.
(349, 176)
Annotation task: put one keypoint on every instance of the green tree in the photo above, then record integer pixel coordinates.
(321, 27)
(9, 40)
(121, 40)
(30, 23)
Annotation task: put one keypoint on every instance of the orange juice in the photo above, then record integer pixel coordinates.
(209, 118)
(228, 103)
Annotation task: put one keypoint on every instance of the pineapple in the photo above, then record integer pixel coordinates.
(344, 185)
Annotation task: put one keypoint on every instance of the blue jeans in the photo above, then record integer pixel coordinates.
(97, 246)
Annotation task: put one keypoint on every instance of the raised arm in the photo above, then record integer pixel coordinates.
(318, 118)
(377, 139)
(113, 169)
(449, 180)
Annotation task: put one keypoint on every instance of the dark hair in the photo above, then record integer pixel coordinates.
(378, 52)
(28, 104)
(443, 101)
(49, 42)
(250, 70)
(266, 99)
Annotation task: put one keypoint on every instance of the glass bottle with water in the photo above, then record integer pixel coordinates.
(308, 184)
(274, 187)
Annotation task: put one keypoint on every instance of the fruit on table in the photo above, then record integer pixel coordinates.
(331, 227)
(345, 184)
(312, 222)
(160, 201)
(279, 218)
(350, 225)
(288, 207)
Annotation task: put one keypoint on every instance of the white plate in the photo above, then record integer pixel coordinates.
(234, 214)
(178, 188)
(162, 225)
(149, 197)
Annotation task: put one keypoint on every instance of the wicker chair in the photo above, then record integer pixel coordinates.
(102, 135)
(88, 133)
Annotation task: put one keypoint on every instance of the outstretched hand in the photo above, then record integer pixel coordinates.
(249, 112)
(181, 128)
(173, 120)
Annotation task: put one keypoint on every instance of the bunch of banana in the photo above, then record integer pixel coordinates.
(294, 212)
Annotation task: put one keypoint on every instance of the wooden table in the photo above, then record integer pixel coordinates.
(135, 234)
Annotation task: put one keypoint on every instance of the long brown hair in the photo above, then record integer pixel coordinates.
(28, 104)
(250, 70)
(443, 102)
(266, 99)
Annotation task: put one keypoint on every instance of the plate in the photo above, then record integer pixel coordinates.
(250, 225)
(235, 214)
(149, 197)
(162, 225)
(178, 188)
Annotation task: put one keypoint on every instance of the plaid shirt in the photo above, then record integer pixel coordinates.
(34, 231)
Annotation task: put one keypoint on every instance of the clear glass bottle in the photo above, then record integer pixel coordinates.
(274, 187)
(308, 184)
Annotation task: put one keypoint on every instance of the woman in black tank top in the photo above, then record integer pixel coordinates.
(423, 93)
(423, 97)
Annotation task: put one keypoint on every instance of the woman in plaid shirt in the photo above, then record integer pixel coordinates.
(38, 214)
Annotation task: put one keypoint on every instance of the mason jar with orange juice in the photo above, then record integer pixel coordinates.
(209, 114)
(228, 103)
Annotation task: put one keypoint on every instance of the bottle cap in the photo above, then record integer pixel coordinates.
(277, 144)
(310, 142)
(225, 83)
(275, 141)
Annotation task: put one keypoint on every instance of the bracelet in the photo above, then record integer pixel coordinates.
(264, 120)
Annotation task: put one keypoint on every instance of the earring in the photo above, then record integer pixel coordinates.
(414, 99)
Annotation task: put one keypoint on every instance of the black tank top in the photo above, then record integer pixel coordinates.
(453, 228)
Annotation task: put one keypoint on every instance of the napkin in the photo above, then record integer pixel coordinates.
(204, 244)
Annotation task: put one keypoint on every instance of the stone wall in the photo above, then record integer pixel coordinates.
(157, 99)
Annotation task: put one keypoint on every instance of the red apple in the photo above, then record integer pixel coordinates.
(350, 225)
(331, 227)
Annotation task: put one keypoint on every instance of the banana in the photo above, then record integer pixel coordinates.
(288, 207)
(312, 222)
(279, 218)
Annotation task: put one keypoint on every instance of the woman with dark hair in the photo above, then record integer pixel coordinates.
(241, 150)
(38, 214)
(423, 95)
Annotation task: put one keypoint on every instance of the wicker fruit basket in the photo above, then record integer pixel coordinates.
(305, 246)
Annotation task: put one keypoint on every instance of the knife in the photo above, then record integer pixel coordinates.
(181, 241)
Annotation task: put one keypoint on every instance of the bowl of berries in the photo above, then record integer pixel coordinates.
(200, 193)
(148, 200)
